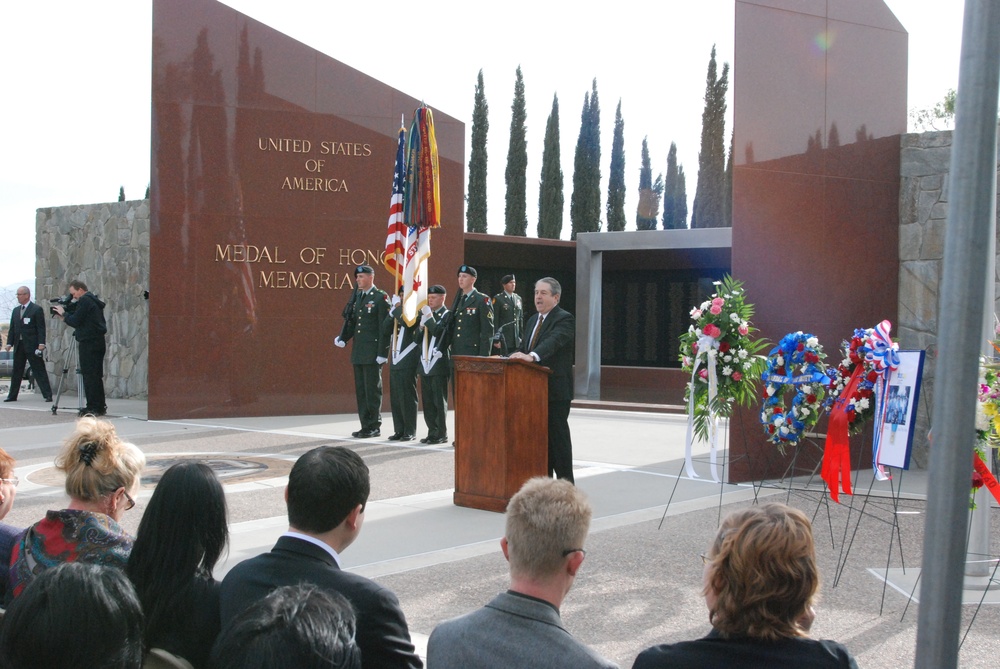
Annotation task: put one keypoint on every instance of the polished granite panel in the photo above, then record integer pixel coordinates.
(819, 102)
(266, 193)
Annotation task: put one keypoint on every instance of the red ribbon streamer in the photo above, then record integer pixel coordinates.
(836, 469)
(988, 479)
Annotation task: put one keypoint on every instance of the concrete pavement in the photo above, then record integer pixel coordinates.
(641, 581)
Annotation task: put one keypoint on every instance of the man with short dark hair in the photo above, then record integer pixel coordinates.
(549, 340)
(363, 319)
(294, 627)
(547, 523)
(89, 328)
(27, 337)
(508, 311)
(327, 491)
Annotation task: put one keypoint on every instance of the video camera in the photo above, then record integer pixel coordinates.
(66, 302)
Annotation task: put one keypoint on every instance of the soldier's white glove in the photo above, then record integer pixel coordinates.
(426, 311)
(424, 319)
(437, 354)
(395, 300)
(338, 343)
(380, 360)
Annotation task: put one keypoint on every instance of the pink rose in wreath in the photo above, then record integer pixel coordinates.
(744, 330)
(715, 309)
(703, 373)
(712, 330)
(718, 302)
(737, 376)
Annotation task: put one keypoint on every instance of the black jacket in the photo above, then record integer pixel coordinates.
(87, 320)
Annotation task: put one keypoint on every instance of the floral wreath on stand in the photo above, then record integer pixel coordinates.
(861, 404)
(721, 332)
(795, 364)
(987, 421)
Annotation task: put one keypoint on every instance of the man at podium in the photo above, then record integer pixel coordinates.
(549, 340)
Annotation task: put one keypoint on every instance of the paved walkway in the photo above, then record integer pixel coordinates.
(641, 581)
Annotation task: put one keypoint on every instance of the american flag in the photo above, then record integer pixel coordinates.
(395, 238)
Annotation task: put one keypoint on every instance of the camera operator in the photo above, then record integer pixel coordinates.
(27, 337)
(89, 327)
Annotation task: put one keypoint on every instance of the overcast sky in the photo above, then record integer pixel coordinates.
(76, 111)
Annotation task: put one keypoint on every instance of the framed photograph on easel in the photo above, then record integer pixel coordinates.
(902, 400)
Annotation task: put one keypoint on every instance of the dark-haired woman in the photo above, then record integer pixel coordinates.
(102, 479)
(181, 536)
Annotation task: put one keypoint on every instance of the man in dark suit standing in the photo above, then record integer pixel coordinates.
(327, 491)
(508, 311)
(27, 337)
(547, 523)
(549, 340)
(435, 365)
(370, 349)
(404, 352)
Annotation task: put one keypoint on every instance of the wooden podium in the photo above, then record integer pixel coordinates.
(501, 429)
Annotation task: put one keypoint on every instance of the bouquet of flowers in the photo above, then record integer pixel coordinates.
(720, 354)
(861, 403)
(795, 364)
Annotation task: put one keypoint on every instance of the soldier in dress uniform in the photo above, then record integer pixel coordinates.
(473, 327)
(508, 312)
(435, 365)
(363, 319)
(404, 353)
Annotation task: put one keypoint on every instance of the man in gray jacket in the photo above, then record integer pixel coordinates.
(547, 523)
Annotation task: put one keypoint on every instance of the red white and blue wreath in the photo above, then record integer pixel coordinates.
(796, 366)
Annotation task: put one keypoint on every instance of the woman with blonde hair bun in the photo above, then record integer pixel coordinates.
(102, 479)
(760, 584)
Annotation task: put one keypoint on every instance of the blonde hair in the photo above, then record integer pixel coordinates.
(6, 464)
(96, 462)
(545, 518)
(763, 573)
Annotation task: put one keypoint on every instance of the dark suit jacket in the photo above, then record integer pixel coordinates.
(30, 330)
(382, 634)
(369, 313)
(714, 652)
(555, 350)
(512, 631)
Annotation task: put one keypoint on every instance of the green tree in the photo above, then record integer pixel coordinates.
(727, 193)
(649, 197)
(147, 191)
(670, 188)
(550, 185)
(516, 176)
(121, 194)
(615, 207)
(475, 214)
(585, 202)
(939, 117)
(680, 200)
(709, 197)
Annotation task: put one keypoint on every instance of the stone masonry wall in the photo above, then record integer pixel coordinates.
(107, 247)
(923, 212)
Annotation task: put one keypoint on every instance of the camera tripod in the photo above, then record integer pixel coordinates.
(62, 378)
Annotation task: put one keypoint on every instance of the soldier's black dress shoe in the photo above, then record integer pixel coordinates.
(10, 399)
(396, 437)
(48, 399)
(439, 440)
(367, 434)
(406, 437)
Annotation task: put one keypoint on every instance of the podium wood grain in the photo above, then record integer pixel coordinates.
(501, 429)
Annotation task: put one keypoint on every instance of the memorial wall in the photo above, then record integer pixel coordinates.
(272, 168)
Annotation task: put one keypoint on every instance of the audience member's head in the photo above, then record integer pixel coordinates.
(294, 627)
(74, 616)
(760, 576)
(181, 536)
(547, 522)
(8, 483)
(100, 468)
(324, 486)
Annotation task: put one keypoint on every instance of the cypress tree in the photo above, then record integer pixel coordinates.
(516, 175)
(475, 213)
(550, 185)
(615, 207)
(585, 203)
(709, 200)
(121, 194)
(727, 193)
(649, 199)
(681, 200)
(147, 191)
(670, 188)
